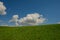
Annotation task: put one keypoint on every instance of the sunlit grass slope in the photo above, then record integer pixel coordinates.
(43, 32)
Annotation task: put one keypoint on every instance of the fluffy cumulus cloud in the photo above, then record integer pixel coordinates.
(30, 19)
(2, 9)
(14, 19)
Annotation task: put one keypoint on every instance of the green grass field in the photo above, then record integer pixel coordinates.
(43, 32)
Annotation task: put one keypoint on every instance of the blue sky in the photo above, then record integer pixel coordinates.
(50, 9)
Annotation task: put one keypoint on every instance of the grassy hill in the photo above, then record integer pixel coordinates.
(43, 32)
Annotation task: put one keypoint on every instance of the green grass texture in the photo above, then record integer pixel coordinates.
(41, 32)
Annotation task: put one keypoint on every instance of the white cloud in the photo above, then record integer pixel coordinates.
(14, 19)
(2, 9)
(32, 19)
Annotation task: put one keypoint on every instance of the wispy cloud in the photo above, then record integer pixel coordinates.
(58, 22)
(4, 24)
(1, 21)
